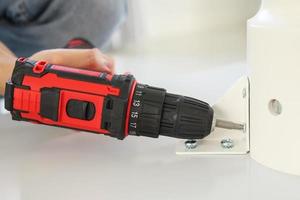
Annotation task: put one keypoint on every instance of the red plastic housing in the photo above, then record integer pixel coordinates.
(73, 84)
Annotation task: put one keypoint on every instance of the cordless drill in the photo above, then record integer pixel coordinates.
(114, 105)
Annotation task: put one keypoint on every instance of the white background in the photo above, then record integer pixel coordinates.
(195, 48)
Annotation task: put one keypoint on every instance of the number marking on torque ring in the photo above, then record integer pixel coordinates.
(133, 125)
(138, 93)
(136, 103)
(134, 114)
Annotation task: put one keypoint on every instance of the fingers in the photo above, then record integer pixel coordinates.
(92, 59)
(110, 63)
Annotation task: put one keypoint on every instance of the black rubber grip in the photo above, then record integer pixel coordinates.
(8, 97)
(49, 106)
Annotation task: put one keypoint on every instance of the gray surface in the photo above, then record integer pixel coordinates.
(51, 163)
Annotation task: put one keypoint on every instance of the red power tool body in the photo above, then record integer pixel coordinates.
(115, 105)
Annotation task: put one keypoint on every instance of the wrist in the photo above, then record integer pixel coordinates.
(6, 68)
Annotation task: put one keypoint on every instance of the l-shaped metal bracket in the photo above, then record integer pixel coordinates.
(233, 106)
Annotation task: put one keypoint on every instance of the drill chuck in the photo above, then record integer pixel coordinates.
(114, 105)
(155, 112)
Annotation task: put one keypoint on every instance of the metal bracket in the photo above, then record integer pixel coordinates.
(233, 106)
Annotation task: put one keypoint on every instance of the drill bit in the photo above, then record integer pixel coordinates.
(229, 125)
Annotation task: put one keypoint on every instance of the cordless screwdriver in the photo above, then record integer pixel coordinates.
(114, 105)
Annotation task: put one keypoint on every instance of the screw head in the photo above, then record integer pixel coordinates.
(191, 144)
(227, 143)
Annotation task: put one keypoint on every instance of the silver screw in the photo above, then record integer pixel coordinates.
(191, 144)
(227, 143)
(244, 93)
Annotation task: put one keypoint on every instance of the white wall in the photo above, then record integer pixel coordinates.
(206, 33)
(154, 19)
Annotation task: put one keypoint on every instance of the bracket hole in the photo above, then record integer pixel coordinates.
(275, 107)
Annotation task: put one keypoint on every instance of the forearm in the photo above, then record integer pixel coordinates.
(7, 60)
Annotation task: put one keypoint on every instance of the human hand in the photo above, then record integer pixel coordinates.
(92, 59)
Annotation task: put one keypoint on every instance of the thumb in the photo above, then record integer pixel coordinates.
(92, 59)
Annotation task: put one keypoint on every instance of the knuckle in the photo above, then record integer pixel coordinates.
(93, 57)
